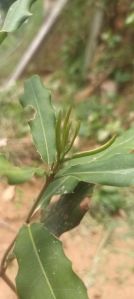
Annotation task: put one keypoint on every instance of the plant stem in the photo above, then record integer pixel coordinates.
(3, 261)
(9, 282)
(28, 218)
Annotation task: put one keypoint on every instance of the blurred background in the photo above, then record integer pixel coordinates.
(86, 57)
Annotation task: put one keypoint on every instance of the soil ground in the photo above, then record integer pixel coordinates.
(105, 265)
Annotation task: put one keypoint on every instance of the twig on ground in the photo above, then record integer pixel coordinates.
(100, 251)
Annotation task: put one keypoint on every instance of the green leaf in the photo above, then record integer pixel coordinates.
(58, 134)
(44, 271)
(130, 19)
(122, 145)
(76, 131)
(58, 186)
(94, 151)
(117, 170)
(43, 123)
(17, 175)
(17, 14)
(3, 35)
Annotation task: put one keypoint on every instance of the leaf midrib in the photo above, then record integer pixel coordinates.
(126, 171)
(39, 262)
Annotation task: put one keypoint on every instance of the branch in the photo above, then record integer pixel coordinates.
(9, 283)
(39, 38)
(103, 243)
(95, 28)
(68, 211)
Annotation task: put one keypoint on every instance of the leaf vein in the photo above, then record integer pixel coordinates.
(40, 264)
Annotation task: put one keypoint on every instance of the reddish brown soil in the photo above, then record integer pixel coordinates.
(109, 270)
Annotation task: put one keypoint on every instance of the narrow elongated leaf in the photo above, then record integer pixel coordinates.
(17, 175)
(58, 186)
(17, 14)
(43, 124)
(95, 151)
(44, 271)
(117, 170)
(122, 145)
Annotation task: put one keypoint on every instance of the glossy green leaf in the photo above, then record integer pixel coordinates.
(43, 123)
(122, 145)
(17, 175)
(117, 170)
(44, 271)
(16, 15)
(58, 186)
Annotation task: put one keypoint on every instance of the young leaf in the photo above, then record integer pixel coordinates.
(67, 118)
(76, 131)
(122, 145)
(94, 151)
(44, 270)
(117, 170)
(17, 175)
(58, 133)
(17, 14)
(60, 186)
(43, 124)
(66, 128)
